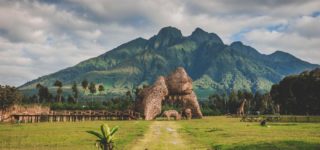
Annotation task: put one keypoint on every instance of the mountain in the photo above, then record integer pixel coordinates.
(213, 65)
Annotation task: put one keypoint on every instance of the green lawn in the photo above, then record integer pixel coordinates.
(207, 133)
(230, 133)
(65, 135)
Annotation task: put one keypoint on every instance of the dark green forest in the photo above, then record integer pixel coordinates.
(9, 96)
(299, 94)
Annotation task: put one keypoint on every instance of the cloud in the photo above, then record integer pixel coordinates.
(268, 41)
(41, 37)
(306, 26)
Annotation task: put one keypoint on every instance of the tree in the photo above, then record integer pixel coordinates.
(92, 89)
(215, 105)
(101, 88)
(71, 99)
(129, 96)
(39, 86)
(128, 102)
(298, 94)
(85, 85)
(249, 97)
(233, 102)
(75, 91)
(105, 139)
(9, 96)
(58, 84)
(43, 93)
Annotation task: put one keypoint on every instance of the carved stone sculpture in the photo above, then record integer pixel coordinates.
(172, 113)
(177, 87)
(187, 114)
(240, 110)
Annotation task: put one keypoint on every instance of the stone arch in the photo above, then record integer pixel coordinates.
(177, 87)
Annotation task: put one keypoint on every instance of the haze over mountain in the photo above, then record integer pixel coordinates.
(213, 65)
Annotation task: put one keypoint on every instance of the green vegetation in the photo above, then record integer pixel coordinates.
(207, 133)
(299, 94)
(78, 100)
(66, 135)
(75, 92)
(220, 104)
(214, 66)
(101, 89)
(296, 95)
(117, 103)
(85, 85)
(230, 133)
(106, 138)
(59, 85)
(9, 96)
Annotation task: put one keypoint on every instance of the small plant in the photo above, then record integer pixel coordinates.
(105, 140)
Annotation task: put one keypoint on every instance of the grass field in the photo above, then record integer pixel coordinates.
(230, 133)
(65, 135)
(207, 133)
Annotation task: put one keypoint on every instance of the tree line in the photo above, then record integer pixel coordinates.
(44, 95)
(294, 95)
(299, 94)
(9, 95)
(219, 104)
(71, 102)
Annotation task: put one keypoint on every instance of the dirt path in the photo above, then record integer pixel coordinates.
(162, 135)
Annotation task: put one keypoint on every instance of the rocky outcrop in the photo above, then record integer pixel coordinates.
(177, 87)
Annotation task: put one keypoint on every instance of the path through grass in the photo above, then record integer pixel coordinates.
(162, 135)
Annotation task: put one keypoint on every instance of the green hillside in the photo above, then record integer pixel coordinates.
(213, 65)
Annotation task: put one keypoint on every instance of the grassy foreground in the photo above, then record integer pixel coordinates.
(207, 133)
(65, 135)
(230, 133)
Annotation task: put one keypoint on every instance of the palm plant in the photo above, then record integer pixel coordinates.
(105, 140)
(59, 90)
(93, 89)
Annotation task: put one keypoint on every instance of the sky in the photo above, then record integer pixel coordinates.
(41, 37)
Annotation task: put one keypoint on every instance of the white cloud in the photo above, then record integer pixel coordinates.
(269, 41)
(41, 37)
(306, 26)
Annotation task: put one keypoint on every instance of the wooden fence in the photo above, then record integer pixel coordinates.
(77, 115)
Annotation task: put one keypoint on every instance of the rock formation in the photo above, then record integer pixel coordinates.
(187, 113)
(176, 87)
(152, 98)
(172, 113)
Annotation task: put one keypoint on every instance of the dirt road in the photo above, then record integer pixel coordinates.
(162, 135)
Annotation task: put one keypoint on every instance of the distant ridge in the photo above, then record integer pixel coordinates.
(213, 65)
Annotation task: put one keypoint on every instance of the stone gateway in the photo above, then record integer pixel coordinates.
(176, 87)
